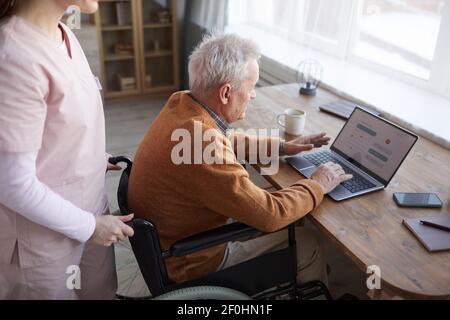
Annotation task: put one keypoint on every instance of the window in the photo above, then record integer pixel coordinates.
(318, 23)
(405, 39)
(399, 34)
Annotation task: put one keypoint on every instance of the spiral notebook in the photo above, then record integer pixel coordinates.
(431, 238)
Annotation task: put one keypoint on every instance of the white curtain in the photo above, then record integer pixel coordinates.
(310, 22)
(394, 35)
(210, 14)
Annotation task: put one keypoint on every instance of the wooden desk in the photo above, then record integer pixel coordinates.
(369, 228)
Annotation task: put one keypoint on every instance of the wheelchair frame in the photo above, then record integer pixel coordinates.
(249, 277)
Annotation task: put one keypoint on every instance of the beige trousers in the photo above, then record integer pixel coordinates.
(94, 264)
(311, 264)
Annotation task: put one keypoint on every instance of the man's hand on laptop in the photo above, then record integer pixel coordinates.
(306, 143)
(329, 176)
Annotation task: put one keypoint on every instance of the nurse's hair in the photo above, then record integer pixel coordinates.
(7, 7)
(221, 59)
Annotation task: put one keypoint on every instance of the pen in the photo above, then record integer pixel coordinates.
(434, 225)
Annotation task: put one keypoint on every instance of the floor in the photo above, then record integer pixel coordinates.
(126, 124)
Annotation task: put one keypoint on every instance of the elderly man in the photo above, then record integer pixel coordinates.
(183, 199)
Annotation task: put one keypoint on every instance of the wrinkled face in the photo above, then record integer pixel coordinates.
(86, 6)
(239, 100)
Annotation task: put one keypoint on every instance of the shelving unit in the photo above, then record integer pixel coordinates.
(149, 28)
(159, 51)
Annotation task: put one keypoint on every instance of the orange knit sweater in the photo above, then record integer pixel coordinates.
(183, 200)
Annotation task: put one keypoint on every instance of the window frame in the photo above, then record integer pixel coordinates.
(439, 79)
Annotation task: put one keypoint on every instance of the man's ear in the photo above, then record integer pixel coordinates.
(224, 93)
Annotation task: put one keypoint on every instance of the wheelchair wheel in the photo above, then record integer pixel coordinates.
(204, 293)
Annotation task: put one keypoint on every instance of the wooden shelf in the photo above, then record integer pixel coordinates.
(118, 57)
(161, 53)
(157, 25)
(116, 28)
(122, 93)
(159, 89)
(115, 0)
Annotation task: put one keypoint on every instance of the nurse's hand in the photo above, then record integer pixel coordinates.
(113, 167)
(110, 166)
(111, 229)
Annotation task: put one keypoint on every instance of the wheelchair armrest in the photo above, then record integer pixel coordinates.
(212, 238)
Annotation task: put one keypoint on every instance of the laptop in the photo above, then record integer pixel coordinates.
(369, 147)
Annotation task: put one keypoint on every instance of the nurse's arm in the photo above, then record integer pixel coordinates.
(21, 191)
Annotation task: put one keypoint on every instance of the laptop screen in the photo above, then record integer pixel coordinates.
(374, 144)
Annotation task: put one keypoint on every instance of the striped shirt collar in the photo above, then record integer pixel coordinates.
(221, 123)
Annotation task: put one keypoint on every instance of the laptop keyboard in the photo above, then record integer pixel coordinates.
(358, 183)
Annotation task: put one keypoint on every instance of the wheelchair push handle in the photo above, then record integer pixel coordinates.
(129, 163)
(116, 160)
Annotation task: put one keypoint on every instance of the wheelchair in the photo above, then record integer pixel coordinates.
(266, 277)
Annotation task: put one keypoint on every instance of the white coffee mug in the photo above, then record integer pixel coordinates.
(294, 121)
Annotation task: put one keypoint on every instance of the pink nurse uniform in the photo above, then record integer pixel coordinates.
(50, 103)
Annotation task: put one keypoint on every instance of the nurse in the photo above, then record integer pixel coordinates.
(56, 235)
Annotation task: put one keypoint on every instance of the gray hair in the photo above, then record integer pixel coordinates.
(220, 59)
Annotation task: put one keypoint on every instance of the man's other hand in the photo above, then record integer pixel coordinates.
(306, 143)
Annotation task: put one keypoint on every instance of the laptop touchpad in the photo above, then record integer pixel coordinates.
(301, 164)
(308, 171)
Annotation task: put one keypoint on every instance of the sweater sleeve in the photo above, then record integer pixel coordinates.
(227, 189)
